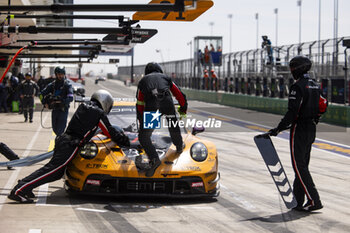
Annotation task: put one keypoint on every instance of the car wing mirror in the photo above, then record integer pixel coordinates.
(196, 130)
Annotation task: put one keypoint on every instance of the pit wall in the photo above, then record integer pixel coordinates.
(337, 115)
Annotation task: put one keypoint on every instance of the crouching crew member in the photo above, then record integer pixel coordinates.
(302, 116)
(83, 125)
(153, 94)
(27, 90)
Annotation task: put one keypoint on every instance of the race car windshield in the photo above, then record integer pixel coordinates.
(125, 118)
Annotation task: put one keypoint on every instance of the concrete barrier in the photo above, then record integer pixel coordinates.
(338, 115)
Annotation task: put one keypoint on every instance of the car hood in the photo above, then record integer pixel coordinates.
(160, 141)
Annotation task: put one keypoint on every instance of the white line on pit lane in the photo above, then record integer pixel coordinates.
(268, 127)
(13, 178)
(34, 231)
(92, 210)
(160, 206)
(42, 196)
(54, 205)
(238, 198)
(132, 207)
(113, 91)
(319, 149)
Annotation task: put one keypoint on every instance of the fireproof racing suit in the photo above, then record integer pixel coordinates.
(27, 90)
(60, 91)
(302, 117)
(83, 125)
(154, 94)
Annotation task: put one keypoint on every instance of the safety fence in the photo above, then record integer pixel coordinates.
(336, 114)
(262, 72)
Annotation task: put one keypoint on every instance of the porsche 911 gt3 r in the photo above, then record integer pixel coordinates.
(102, 167)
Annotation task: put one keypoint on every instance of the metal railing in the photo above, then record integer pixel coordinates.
(252, 72)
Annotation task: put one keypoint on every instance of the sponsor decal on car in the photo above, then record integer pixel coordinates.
(192, 168)
(93, 182)
(197, 184)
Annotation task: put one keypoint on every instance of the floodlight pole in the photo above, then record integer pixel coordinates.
(299, 4)
(346, 88)
(191, 64)
(319, 38)
(211, 24)
(257, 30)
(230, 17)
(276, 30)
(132, 66)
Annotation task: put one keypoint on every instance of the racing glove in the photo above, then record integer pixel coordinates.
(273, 132)
(182, 112)
(119, 137)
(123, 140)
(183, 108)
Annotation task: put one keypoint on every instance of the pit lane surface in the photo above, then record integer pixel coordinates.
(249, 201)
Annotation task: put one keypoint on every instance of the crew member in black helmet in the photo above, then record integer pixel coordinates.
(27, 90)
(302, 117)
(153, 94)
(83, 125)
(57, 95)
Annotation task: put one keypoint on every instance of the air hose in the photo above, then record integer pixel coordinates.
(14, 58)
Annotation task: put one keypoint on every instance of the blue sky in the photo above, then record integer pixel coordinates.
(173, 37)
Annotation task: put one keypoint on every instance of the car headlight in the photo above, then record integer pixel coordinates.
(199, 152)
(88, 151)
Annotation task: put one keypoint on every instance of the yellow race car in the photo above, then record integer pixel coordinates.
(102, 167)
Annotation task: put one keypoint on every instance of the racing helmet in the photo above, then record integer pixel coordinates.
(104, 98)
(153, 67)
(299, 65)
(60, 70)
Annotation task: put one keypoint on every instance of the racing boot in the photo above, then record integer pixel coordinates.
(140, 165)
(313, 205)
(19, 197)
(298, 208)
(154, 164)
(29, 193)
(26, 192)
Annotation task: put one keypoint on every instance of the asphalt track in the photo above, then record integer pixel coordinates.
(249, 201)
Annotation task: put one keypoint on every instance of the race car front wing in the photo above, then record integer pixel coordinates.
(190, 186)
